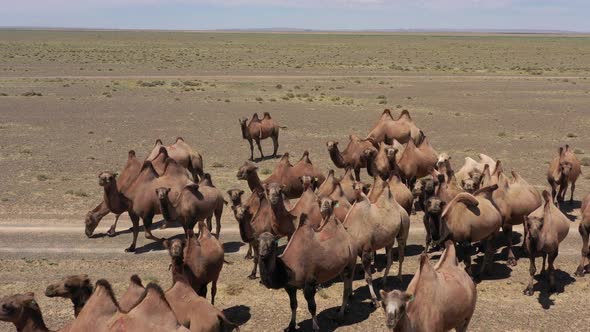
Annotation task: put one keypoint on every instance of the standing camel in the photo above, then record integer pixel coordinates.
(258, 129)
(565, 168)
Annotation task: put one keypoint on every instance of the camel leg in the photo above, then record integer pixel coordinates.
(213, 291)
(543, 266)
(209, 225)
(357, 174)
(249, 252)
(585, 250)
(347, 276)
(389, 255)
(572, 195)
(309, 293)
(147, 224)
(401, 252)
(463, 326)
(255, 250)
(532, 270)
(366, 261)
(551, 270)
(553, 189)
(275, 144)
(202, 292)
(488, 258)
(562, 191)
(508, 233)
(259, 147)
(427, 241)
(251, 149)
(135, 228)
(218, 221)
(111, 231)
(292, 292)
(466, 258)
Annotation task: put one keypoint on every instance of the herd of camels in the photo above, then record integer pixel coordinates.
(329, 222)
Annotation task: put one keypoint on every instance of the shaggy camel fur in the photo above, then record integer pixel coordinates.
(417, 161)
(258, 129)
(313, 256)
(183, 154)
(132, 295)
(77, 288)
(470, 218)
(198, 260)
(152, 314)
(128, 174)
(374, 226)
(402, 194)
(354, 156)
(564, 169)
(438, 299)
(402, 130)
(545, 228)
(23, 311)
(515, 199)
(584, 230)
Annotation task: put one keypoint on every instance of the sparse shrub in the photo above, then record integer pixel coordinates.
(151, 84)
(3, 94)
(457, 114)
(585, 161)
(217, 165)
(382, 102)
(259, 99)
(572, 135)
(175, 84)
(42, 177)
(279, 86)
(502, 134)
(26, 151)
(381, 97)
(273, 100)
(32, 94)
(227, 100)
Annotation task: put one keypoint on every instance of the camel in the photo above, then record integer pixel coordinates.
(433, 208)
(545, 228)
(194, 203)
(183, 154)
(438, 299)
(77, 288)
(447, 188)
(403, 129)
(472, 167)
(564, 169)
(307, 203)
(416, 161)
(343, 205)
(424, 188)
(312, 256)
(193, 311)
(132, 295)
(128, 174)
(380, 163)
(97, 311)
(198, 260)
(584, 230)
(466, 219)
(515, 199)
(235, 197)
(354, 156)
(402, 194)
(23, 311)
(377, 225)
(152, 314)
(258, 129)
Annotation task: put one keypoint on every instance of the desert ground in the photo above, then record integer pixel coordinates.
(73, 103)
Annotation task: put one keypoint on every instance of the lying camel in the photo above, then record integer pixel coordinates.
(374, 226)
(584, 230)
(354, 154)
(23, 311)
(403, 129)
(77, 288)
(97, 311)
(128, 174)
(438, 299)
(416, 161)
(470, 218)
(153, 313)
(198, 260)
(183, 154)
(132, 295)
(515, 199)
(402, 194)
(545, 228)
(194, 312)
(258, 129)
(564, 169)
(473, 167)
(313, 256)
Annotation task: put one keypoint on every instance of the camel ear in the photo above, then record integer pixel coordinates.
(408, 297)
(382, 293)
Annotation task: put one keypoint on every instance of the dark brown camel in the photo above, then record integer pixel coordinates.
(77, 288)
(23, 311)
(257, 130)
(354, 154)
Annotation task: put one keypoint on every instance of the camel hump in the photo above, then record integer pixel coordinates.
(158, 291)
(387, 112)
(302, 220)
(305, 157)
(266, 115)
(163, 151)
(109, 290)
(516, 176)
(546, 197)
(135, 279)
(191, 187)
(147, 165)
(405, 114)
(449, 256)
(131, 154)
(255, 117)
(499, 169)
(179, 138)
(159, 142)
(465, 198)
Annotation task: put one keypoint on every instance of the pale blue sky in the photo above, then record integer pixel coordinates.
(571, 15)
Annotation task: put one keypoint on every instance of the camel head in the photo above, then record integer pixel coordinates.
(107, 178)
(17, 308)
(70, 287)
(426, 185)
(469, 185)
(240, 212)
(534, 225)
(369, 154)
(244, 127)
(162, 193)
(274, 192)
(268, 245)
(90, 223)
(327, 206)
(564, 170)
(332, 145)
(443, 159)
(235, 196)
(433, 209)
(175, 248)
(394, 305)
(308, 182)
(246, 169)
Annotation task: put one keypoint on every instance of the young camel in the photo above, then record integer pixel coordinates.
(564, 169)
(584, 230)
(374, 226)
(354, 154)
(466, 219)
(312, 256)
(438, 299)
(258, 129)
(403, 129)
(77, 288)
(198, 260)
(545, 228)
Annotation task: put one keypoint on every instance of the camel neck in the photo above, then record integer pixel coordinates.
(112, 196)
(273, 273)
(80, 301)
(337, 158)
(404, 324)
(246, 230)
(245, 134)
(254, 182)
(33, 322)
(167, 210)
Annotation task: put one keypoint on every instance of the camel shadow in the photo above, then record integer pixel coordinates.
(356, 313)
(567, 208)
(239, 314)
(259, 159)
(156, 245)
(362, 293)
(234, 246)
(562, 279)
(499, 271)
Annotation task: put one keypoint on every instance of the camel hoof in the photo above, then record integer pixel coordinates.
(248, 256)
(580, 272)
(375, 303)
(252, 277)
(130, 249)
(511, 261)
(290, 328)
(111, 233)
(528, 292)
(163, 226)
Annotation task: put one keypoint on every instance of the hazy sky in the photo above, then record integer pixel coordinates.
(314, 14)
